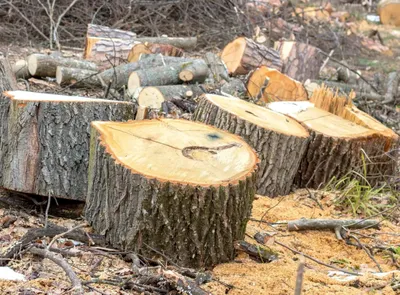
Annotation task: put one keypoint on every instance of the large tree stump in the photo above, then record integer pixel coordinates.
(300, 61)
(171, 186)
(7, 83)
(279, 141)
(41, 65)
(46, 149)
(150, 48)
(243, 55)
(271, 85)
(382, 165)
(336, 144)
(389, 12)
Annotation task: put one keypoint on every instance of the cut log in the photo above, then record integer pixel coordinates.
(108, 52)
(194, 72)
(385, 164)
(119, 75)
(336, 145)
(279, 140)
(47, 147)
(178, 192)
(389, 12)
(107, 32)
(153, 97)
(234, 87)
(300, 61)
(243, 55)
(77, 77)
(158, 76)
(41, 65)
(270, 85)
(150, 48)
(20, 69)
(185, 43)
(217, 68)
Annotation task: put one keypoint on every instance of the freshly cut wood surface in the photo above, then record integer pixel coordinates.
(150, 48)
(279, 141)
(300, 61)
(243, 55)
(336, 144)
(177, 191)
(20, 69)
(41, 65)
(389, 12)
(47, 146)
(271, 85)
(194, 72)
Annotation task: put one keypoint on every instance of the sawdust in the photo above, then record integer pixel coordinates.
(279, 277)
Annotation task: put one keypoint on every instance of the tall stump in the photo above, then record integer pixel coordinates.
(181, 188)
(336, 145)
(46, 147)
(279, 141)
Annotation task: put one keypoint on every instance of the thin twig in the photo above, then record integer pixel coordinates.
(64, 233)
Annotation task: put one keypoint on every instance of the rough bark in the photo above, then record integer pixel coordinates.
(41, 65)
(47, 142)
(280, 154)
(7, 83)
(218, 70)
(107, 32)
(20, 69)
(153, 97)
(193, 225)
(146, 48)
(77, 77)
(185, 43)
(300, 61)
(243, 55)
(194, 72)
(234, 87)
(108, 52)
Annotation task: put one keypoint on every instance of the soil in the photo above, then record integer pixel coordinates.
(244, 274)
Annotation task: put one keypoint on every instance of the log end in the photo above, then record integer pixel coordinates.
(150, 97)
(133, 82)
(32, 64)
(186, 76)
(178, 151)
(232, 54)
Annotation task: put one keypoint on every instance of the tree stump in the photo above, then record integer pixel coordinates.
(279, 141)
(271, 85)
(336, 144)
(243, 55)
(107, 32)
(382, 165)
(300, 61)
(46, 149)
(170, 186)
(150, 48)
(389, 12)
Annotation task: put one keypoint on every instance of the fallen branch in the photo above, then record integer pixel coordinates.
(258, 253)
(182, 284)
(76, 282)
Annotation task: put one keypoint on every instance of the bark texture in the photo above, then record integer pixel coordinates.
(7, 83)
(234, 87)
(253, 56)
(300, 61)
(327, 157)
(41, 65)
(77, 77)
(194, 72)
(185, 43)
(47, 144)
(279, 154)
(195, 226)
(218, 71)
